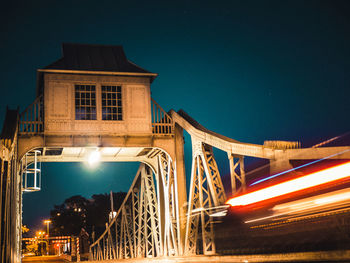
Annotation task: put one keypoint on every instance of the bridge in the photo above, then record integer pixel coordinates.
(93, 100)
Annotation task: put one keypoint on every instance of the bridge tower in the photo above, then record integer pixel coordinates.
(93, 99)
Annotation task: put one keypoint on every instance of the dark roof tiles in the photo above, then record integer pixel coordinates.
(94, 58)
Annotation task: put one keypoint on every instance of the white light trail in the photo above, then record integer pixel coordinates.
(318, 178)
(316, 204)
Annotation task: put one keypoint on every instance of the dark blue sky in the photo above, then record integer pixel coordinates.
(250, 70)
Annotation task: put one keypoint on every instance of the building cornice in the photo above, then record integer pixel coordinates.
(153, 75)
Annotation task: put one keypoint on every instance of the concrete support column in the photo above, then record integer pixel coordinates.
(280, 163)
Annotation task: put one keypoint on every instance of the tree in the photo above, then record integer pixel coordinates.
(69, 217)
(78, 212)
(25, 229)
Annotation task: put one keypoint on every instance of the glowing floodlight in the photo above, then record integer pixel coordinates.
(94, 158)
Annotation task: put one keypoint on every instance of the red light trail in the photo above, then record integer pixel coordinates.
(314, 179)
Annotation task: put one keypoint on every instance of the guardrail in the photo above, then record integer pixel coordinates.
(162, 123)
(32, 118)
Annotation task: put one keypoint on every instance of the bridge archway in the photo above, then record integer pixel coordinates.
(154, 202)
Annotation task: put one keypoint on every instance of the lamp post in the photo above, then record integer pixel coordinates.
(47, 222)
(40, 234)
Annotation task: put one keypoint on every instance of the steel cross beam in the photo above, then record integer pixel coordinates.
(206, 193)
(168, 205)
(237, 177)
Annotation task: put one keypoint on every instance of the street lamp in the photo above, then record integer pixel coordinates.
(40, 237)
(47, 222)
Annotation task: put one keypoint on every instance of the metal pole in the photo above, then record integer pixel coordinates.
(78, 250)
(1, 189)
(112, 206)
(232, 173)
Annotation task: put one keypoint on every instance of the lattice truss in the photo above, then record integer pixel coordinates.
(206, 195)
(238, 183)
(135, 230)
(169, 204)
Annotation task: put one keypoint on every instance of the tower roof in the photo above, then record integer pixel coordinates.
(87, 57)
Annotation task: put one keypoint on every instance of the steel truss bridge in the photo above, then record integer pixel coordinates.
(93, 99)
(150, 223)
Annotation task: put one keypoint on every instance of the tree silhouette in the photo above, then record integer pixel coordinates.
(78, 212)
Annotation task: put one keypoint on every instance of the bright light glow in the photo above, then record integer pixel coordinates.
(94, 158)
(333, 199)
(307, 181)
(219, 214)
(316, 204)
(112, 215)
(39, 233)
(47, 221)
(110, 150)
(296, 168)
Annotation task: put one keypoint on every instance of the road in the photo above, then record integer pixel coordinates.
(303, 257)
(50, 259)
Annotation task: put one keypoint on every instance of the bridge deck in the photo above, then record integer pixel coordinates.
(322, 256)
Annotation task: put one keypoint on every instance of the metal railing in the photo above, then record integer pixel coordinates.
(161, 121)
(32, 118)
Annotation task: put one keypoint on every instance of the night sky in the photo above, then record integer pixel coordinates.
(250, 70)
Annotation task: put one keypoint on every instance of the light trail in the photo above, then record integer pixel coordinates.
(314, 179)
(296, 168)
(296, 155)
(312, 205)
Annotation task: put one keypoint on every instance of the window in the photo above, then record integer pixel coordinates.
(112, 103)
(85, 102)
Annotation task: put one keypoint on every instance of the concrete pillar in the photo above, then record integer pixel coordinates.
(280, 163)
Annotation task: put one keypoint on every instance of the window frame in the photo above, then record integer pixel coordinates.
(96, 106)
(98, 102)
(122, 104)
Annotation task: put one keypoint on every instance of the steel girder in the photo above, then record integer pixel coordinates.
(237, 173)
(206, 193)
(134, 231)
(168, 205)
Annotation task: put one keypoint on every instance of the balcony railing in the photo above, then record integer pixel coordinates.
(32, 118)
(161, 121)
